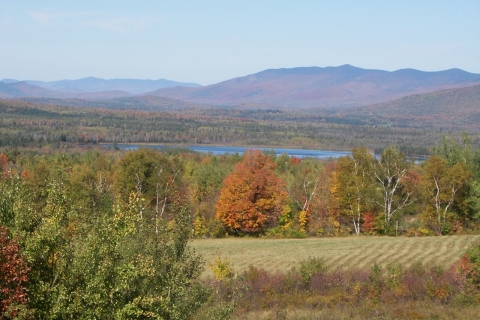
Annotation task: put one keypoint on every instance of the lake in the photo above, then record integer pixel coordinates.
(220, 150)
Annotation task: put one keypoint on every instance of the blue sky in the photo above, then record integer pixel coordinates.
(211, 41)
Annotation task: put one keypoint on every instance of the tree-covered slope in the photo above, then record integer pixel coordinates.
(457, 109)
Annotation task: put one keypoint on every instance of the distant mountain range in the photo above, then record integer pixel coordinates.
(87, 88)
(330, 87)
(344, 86)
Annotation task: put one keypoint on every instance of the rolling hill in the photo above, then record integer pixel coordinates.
(85, 89)
(92, 84)
(25, 89)
(344, 86)
(456, 109)
(142, 103)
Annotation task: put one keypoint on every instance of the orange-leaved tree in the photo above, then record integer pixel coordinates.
(252, 197)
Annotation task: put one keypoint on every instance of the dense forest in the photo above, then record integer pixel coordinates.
(452, 109)
(24, 124)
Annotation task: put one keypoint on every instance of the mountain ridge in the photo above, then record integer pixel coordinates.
(93, 84)
(343, 86)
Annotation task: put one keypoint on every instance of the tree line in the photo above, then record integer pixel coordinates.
(357, 194)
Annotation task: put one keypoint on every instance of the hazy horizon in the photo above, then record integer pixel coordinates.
(238, 76)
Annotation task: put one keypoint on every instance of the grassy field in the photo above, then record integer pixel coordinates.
(349, 252)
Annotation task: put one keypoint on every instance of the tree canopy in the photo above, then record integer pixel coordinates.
(252, 196)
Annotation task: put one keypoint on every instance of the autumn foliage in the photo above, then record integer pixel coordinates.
(13, 275)
(252, 196)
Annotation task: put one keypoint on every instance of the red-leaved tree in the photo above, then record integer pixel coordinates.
(13, 275)
(252, 197)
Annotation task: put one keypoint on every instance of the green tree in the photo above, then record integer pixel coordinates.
(355, 185)
(205, 176)
(46, 247)
(474, 200)
(467, 201)
(455, 152)
(153, 177)
(444, 186)
(108, 264)
(120, 269)
(305, 181)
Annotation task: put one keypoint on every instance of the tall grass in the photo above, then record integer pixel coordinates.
(381, 293)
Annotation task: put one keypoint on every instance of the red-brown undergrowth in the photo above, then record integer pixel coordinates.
(257, 289)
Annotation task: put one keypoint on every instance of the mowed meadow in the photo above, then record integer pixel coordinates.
(339, 253)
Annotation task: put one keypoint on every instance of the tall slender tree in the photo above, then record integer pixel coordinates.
(390, 172)
(355, 185)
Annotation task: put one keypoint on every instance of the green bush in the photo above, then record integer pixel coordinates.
(279, 233)
(473, 268)
(395, 272)
(377, 282)
(310, 267)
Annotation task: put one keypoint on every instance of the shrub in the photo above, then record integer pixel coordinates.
(292, 281)
(446, 228)
(13, 275)
(280, 232)
(394, 276)
(473, 267)
(376, 280)
(369, 223)
(221, 268)
(414, 281)
(310, 267)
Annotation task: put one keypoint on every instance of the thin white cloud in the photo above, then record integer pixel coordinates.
(116, 24)
(121, 24)
(46, 17)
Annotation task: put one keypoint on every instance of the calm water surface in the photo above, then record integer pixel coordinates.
(219, 150)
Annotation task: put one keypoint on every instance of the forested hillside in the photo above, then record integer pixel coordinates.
(452, 109)
(26, 124)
